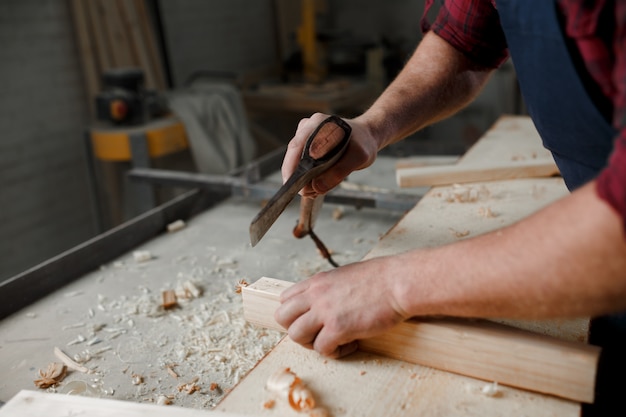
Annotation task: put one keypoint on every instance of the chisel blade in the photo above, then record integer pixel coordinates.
(323, 148)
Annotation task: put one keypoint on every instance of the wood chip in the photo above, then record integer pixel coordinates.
(169, 299)
(189, 388)
(172, 373)
(142, 256)
(54, 373)
(176, 226)
(491, 390)
(269, 404)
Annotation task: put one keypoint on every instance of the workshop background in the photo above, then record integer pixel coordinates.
(47, 200)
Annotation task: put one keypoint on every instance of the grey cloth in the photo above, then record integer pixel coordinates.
(216, 125)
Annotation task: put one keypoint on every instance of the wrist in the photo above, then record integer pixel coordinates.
(401, 280)
(374, 128)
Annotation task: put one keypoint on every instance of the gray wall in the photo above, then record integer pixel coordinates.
(44, 195)
(218, 35)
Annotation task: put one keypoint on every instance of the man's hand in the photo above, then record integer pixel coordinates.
(330, 311)
(361, 153)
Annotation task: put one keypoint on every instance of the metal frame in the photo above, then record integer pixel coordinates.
(37, 282)
(249, 182)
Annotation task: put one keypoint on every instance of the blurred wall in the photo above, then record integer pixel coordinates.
(44, 195)
(45, 200)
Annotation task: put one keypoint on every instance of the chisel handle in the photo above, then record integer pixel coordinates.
(309, 209)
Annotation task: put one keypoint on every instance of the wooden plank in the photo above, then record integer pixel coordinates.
(511, 138)
(36, 404)
(150, 42)
(104, 50)
(424, 161)
(511, 149)
(465, 173)
(477, 348)
(139, 49)
(116, 35)
(86, 51)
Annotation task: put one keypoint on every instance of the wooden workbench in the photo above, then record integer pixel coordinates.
(369, 385)
(361, 385)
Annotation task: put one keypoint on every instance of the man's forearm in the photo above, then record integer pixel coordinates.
(437, 81)
(567, 260)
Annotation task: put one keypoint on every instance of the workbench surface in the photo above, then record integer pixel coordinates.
(136, 348)
(148, 355)
(366, 384)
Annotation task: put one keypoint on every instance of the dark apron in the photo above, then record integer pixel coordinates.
(580, 139)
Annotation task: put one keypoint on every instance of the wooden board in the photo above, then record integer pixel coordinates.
(36, 404)
(451, 174)
(511, 149)
(476, 348)
(442, 216)
(369, 385)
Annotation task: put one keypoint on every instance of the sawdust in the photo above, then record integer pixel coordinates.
(212, 348)
(465, 193)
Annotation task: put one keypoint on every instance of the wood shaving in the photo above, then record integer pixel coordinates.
(242, 283)
(338, 213)
(289, 387)
(54, 373)
(214, 386)
(164, 400)
(137, 379)
(70, 362)
(189, 388)
(188, 290)
(172, 372)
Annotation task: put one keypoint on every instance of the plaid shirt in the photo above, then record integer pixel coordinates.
(596, 33)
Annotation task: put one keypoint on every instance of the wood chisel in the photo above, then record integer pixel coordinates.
(322, 149)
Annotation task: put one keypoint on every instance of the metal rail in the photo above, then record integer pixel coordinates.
(263, 190)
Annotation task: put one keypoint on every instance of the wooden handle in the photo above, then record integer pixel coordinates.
(309, 209)
(327, 138)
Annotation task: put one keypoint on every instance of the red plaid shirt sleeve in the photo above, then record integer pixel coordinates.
(472, 27)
